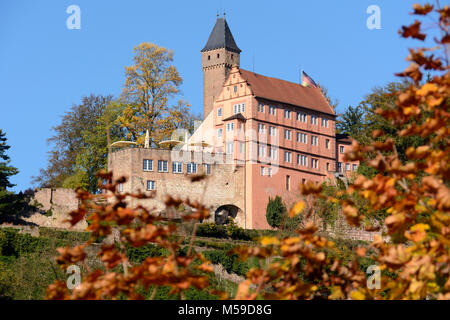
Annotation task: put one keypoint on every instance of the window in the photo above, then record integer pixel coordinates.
(260, 107)
(209, 57)
(303, 160)
(269, 172)
(235, 89)
(288, 182)
(218, 56)
(230, 127)
(287, 114)
(262, 171)
(314, 120)
(324, 123)
(272, 110)
(261, 151)
(261, 128)
(230, 147)
(191, 167)
(287, 134)
(147, 165)
(328, 166)
(302, 137)
(177, 167)
(219, 132)
(151, 185)
(298, 158)
(162, 166)
(341, 149)
(237, 108)
(219, 112)
(314, 163)
(302, 117)
(287, 156)
(327, 143)
(347, 167)
(314, 140)
(298, 116)
(207, 168)
(272, 131)
(355, 167)
(339, 166)
(273, 153)
(120, 187)
(241, 147)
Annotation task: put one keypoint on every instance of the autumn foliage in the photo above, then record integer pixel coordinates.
(413, 255)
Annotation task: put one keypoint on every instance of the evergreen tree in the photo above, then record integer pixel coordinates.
(275, 212)
(352, 122)
(7, 199)
(6, 171)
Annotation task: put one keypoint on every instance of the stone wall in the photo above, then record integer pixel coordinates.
(54, 206)
(64, 199)
(223, 187)
(342, 230)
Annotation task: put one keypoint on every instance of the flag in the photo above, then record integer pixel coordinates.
(307, 80)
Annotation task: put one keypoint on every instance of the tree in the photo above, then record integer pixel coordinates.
(6, 171)
(351, 122)
(94, 154)
(359, 122)
(8, 200)
(275, 212)
(81, 144)
(150, 82)
(385, 98)
(332, 102)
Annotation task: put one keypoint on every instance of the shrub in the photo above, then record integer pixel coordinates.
(77, 236)
(235, 232)
(275, 212)
(138, 254)
(230, 261)
(212, 230)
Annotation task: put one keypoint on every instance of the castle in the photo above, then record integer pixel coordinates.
(260, 137)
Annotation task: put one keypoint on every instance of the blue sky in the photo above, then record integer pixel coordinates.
(45, 68)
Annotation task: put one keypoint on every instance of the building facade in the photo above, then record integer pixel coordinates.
(260, 137)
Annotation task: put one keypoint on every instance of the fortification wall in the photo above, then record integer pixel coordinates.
(54, 206)
(225, 185)
(342, 230)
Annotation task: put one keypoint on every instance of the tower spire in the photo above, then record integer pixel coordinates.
(219, 55)
(221, 37)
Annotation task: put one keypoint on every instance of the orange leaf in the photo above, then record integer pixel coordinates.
(297, 209)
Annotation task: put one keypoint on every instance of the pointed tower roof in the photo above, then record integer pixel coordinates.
(221, 37)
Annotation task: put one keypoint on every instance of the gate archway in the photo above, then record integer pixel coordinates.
(229, 210)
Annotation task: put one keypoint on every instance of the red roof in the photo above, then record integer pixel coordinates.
(286, 92)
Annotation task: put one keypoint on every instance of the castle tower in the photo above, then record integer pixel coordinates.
(219, 55)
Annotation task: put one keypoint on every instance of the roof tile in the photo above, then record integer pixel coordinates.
(287, 92)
